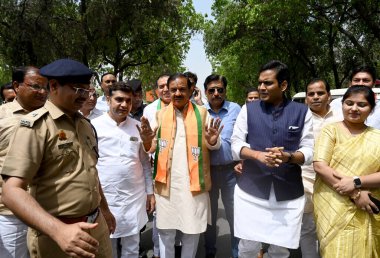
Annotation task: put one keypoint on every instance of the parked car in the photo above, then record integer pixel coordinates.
(335, 93)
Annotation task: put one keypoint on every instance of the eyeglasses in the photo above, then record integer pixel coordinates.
(35, 87)
(212, 90)
(81, 91)
(93, 94)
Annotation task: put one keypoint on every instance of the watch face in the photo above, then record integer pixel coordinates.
(357, 182)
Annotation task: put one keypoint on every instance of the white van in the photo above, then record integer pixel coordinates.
(335, 93)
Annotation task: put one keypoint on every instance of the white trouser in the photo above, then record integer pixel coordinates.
(309, 240)
(13, 237)
(155, 238)
(129, 246)
(250, 249)
(167, 239)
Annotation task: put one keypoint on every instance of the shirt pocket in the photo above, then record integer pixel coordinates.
(131, 149)
(65, 155)
(294, 135)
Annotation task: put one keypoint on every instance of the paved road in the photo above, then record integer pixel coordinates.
(223, 241)
(222, 244)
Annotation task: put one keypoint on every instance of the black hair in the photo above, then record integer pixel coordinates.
(366, 91)
(18, 73)
(159, 77)
(364, 69)
(192, 76)
(175, 76)
(252, 89)
(282, 71)
(327, 85)
(6, 86)
(215, 77)
(107, 73)
(120, 86)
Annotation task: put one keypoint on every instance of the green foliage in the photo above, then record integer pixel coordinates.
(127, 37)
(314, 38)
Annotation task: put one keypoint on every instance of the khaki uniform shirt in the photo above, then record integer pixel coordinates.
(57, 155)
(10, 115)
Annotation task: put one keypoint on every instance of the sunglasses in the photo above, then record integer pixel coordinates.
(212, 90)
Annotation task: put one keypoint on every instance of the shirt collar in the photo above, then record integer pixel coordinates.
(224, 106)
(329, 113)
(15, 106)
(56, 112)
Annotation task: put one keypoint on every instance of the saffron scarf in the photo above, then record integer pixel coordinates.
(165, 142)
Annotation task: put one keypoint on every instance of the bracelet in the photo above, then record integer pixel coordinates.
(290, 158)
(356, 196)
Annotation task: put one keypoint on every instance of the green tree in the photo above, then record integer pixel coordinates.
(126, 37)
(315, 38)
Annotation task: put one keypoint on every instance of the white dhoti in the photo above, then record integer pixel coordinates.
(268, 221)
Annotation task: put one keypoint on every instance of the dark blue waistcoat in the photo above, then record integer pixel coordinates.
(270, 126)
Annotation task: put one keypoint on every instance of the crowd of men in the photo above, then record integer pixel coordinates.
(81, 173)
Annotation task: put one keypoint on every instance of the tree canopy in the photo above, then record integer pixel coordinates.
(315, 38)
(129, 38)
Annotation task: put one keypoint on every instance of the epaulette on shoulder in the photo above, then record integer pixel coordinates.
(29, 119)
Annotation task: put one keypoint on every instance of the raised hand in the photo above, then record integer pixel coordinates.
(146, 133)
(212, 131)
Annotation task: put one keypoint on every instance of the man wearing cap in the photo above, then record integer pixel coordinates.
(137, 102)
(106, 81)
(31, 90)
(54, 152)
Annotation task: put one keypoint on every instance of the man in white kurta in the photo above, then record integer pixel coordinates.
(317, 98)
(162, 91)
(178, 207)
(366, 76)
(124, 170)
(274, 136)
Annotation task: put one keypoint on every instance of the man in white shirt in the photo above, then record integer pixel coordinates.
(89, 109)
(106, 81)
(124, 170)
(366, 76)
(318, 99)
(182, 167)
(274, 137)
(162, 91)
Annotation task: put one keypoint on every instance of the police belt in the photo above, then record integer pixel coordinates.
(90, 218)
(224, 167)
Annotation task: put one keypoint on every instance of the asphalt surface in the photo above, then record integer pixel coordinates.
(222, 244)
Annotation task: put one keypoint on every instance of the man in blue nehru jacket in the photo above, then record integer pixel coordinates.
(274, 137)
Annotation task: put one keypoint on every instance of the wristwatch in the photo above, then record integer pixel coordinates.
(357, 182)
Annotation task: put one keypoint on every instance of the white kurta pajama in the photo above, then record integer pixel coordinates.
(181, 210)
(124, 173)
(269, 221)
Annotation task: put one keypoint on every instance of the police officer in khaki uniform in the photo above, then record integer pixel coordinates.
(54, 151)
(31, 90)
